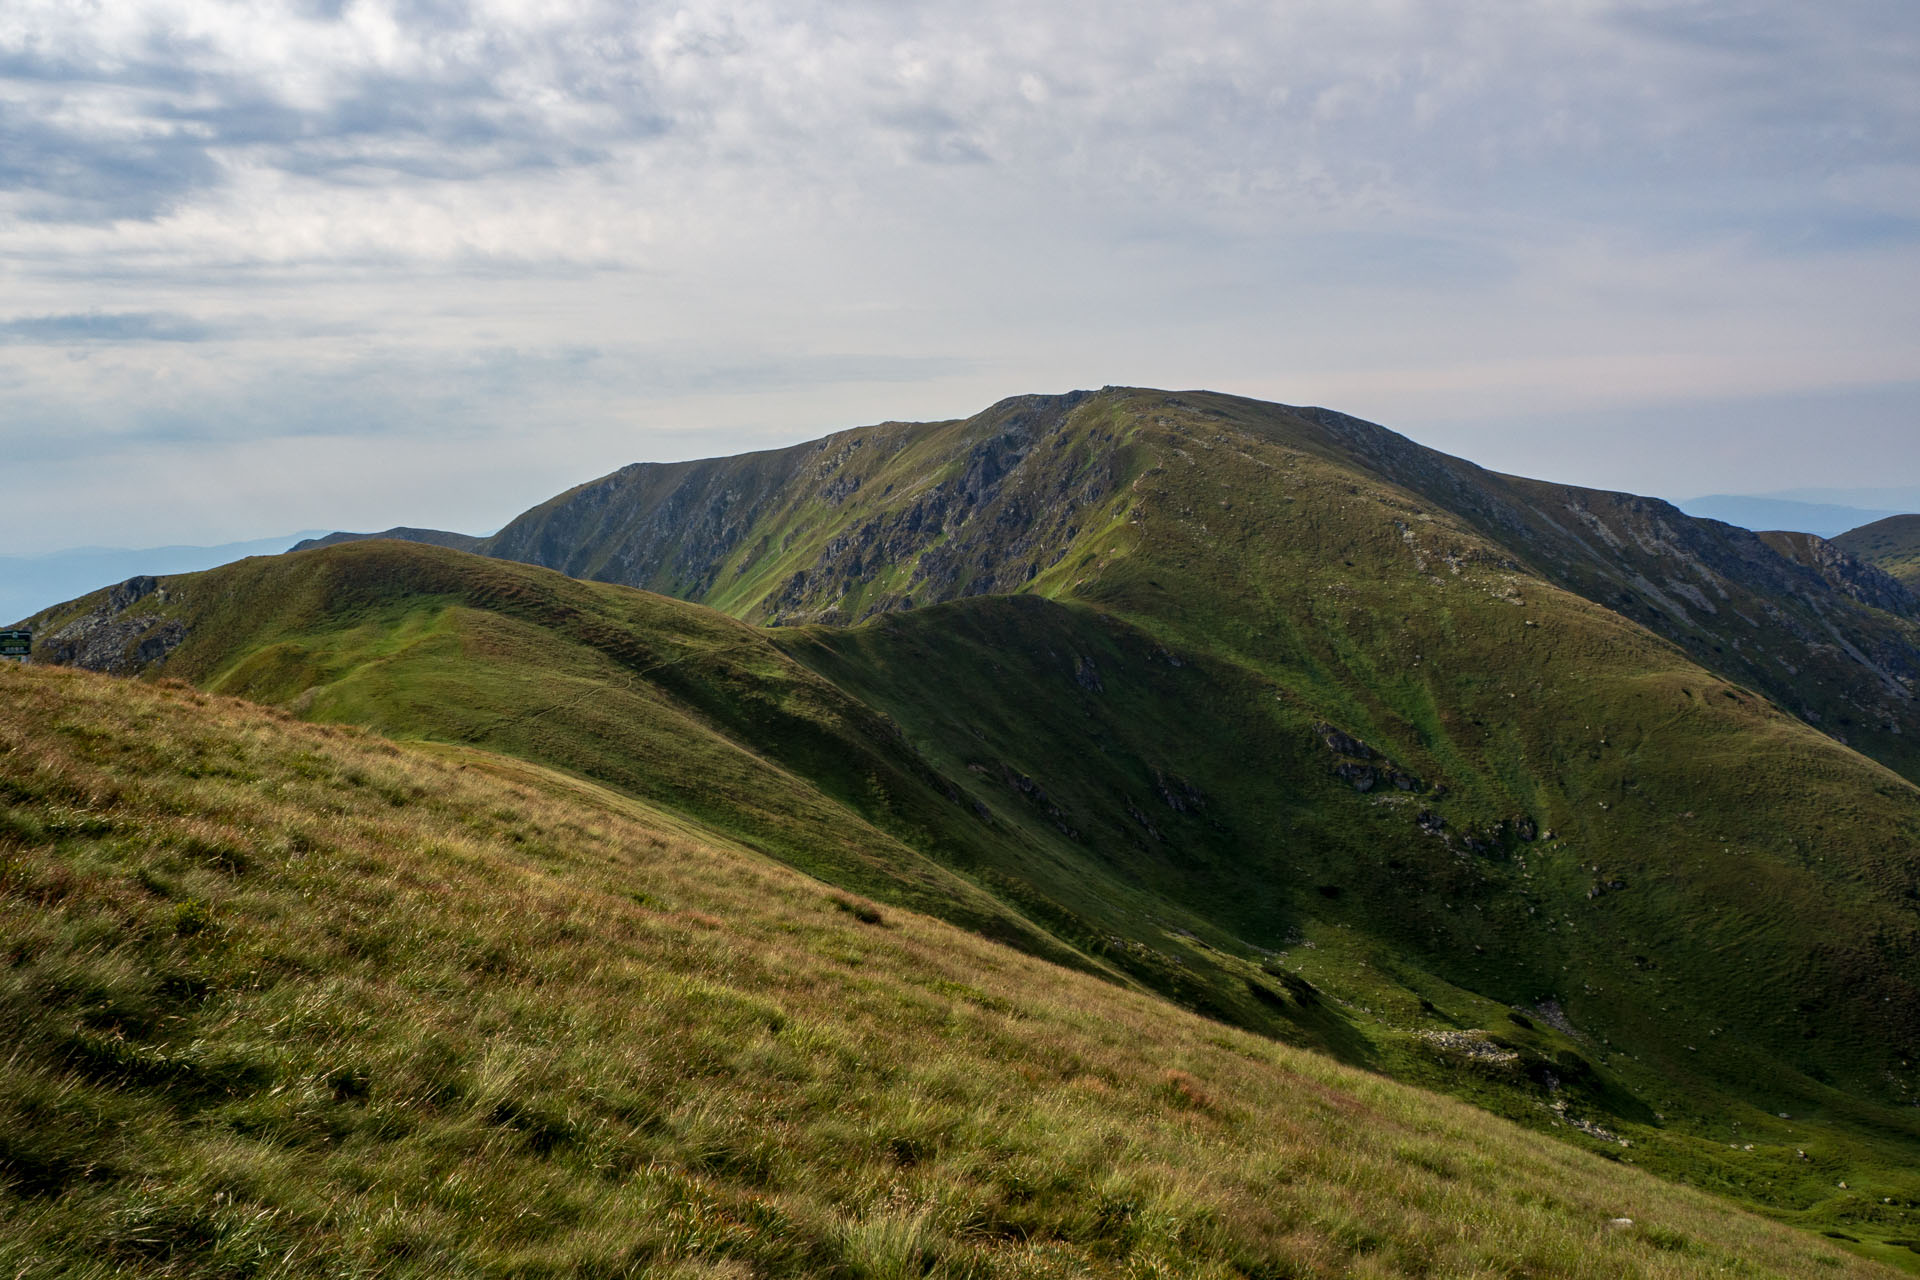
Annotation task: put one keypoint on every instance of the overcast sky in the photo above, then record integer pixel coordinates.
(280, 264)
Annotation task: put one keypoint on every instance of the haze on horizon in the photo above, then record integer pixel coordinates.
(352, 263)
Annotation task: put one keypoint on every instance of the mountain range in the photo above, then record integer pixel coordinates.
(1825, 512)
(1597, 815)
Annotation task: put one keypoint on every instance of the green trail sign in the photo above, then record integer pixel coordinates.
(16, 645)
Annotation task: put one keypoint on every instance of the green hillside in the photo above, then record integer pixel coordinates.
(1215, 700)
(661, 699)
(1892, 544)
(292, 1000)
(1029, 494)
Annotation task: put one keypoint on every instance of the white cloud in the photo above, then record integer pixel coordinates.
(1421, 211)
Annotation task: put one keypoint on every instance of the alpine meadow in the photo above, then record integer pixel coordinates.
(1120, 833)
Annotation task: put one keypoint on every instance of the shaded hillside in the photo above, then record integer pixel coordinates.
(1892, 544)
(289, 1000)
(1019, 498)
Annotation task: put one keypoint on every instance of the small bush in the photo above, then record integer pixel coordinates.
(864, 912)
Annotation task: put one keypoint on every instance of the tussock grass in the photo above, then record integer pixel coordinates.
(323, 1005)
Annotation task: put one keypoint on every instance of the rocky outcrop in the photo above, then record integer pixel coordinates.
(1360, 766)
(1846, 573)
(112, 639)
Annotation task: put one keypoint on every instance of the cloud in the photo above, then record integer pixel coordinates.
(374, 219)
(1223, 113)
(95, 326)
(462, 398)
(69, 172)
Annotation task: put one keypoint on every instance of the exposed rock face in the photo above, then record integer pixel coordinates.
(108, 639)
(1353, 769)
(1342, 743)
(1853, 577)
(1361, 777)
(1178, 794)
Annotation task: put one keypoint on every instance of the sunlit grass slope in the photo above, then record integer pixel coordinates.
(662, 699)
(287, 999)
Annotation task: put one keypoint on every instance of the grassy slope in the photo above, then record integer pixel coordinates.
(1834, 641)
(1180, 823)
(882, 517)
(1674, 984)
(1225, 902)
(1742, 843)
(1522, 698)
(1893, 544)
(660, 698)
(287, 999)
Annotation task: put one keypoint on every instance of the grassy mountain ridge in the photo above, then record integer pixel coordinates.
(287, 999)
(1892, 544)
(888, 517)
(914, 513)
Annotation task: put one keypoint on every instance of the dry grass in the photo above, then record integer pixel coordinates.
(281, 999)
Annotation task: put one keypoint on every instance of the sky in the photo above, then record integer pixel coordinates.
(268, 265)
